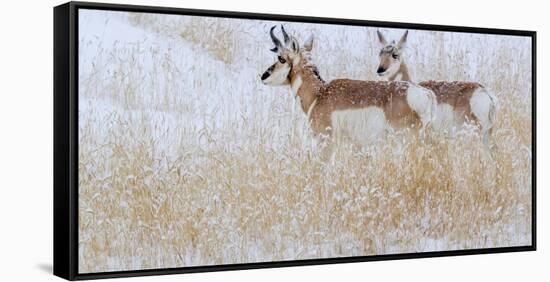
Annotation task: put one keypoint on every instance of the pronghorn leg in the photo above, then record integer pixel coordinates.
(326, 148)
(325, 139)
(486, 138)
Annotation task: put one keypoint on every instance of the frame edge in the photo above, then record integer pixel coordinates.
(534, 140)
(66, 144)
(63, 239)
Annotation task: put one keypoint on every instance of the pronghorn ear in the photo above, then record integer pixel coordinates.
(308, 45)
(294, 45)
(381, 38)
(403, 40)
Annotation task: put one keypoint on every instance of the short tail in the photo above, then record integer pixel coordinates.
(487, 128)
(493, 108)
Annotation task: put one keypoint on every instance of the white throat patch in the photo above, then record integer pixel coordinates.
(295, 85)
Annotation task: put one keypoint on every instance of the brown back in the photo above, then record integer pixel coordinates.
(345, 94)
(455, 93)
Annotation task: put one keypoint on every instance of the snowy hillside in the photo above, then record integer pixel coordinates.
(186, 158)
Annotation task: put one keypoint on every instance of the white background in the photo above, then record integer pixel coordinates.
(26, 125)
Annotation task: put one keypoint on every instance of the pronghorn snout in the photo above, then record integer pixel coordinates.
(265, 75)
(380, 70)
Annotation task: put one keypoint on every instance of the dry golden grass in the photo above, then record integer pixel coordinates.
(212, 34)
(256, 187)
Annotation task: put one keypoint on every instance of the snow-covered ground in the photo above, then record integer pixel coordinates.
(187, 159)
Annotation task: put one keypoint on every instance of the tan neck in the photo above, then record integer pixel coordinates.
(305, 84)
(403, 71)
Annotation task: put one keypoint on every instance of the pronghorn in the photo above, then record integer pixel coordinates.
(361, 109)
(458, 101)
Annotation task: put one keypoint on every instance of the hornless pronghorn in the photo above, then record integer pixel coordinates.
(458, 101)
(361, 109)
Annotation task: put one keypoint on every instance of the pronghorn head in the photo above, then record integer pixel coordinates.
(289, 55)
(390, 55)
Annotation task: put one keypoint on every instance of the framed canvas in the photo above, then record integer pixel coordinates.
(193, 140)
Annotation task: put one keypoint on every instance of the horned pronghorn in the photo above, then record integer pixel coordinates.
(458, 101)
(361, 109)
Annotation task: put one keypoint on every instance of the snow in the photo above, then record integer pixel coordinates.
(173, 86)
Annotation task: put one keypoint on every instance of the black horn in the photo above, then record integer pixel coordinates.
(276, 41)
(285, 35)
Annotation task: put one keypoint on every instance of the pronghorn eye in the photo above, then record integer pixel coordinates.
(395, 56)
(281, 59)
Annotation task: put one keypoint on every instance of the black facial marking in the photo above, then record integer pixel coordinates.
(268, 72)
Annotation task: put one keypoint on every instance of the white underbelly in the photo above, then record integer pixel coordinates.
(362, 125)
(445, 118)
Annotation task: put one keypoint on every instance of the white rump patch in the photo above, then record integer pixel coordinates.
(362, 125)
(484, 106)
(423, 102)
(481, 104)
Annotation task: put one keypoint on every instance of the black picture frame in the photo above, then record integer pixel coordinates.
(65, 263)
